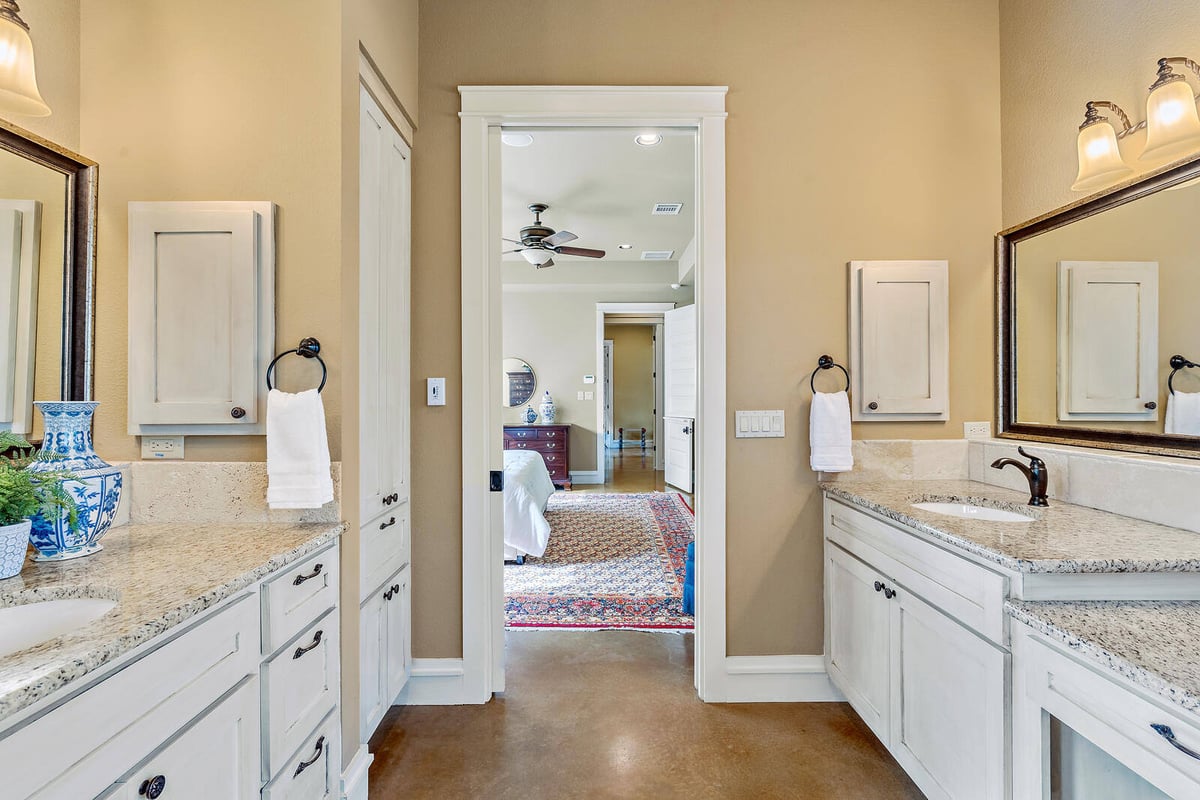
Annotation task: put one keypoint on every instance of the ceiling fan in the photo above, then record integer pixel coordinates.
(539, 243)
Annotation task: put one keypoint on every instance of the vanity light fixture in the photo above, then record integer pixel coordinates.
(1100, 161)
(648, 139)
(18, 83)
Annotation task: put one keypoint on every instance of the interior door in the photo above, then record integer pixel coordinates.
(679, 357)
(678, 458)
(608, 392)
(660, 431)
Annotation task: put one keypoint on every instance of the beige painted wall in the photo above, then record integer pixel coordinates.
(1057, 56)
(864, 129)
(633, 377)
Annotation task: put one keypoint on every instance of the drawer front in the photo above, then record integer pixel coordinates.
(297, 596)
(555, 462)
(538, 445)
(384, 547)
(126, 716)
(520, 433)
(300, 686)
(552, 434)
(215, 756)
(312, 773)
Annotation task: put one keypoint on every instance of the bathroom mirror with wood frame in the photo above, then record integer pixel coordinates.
(1094, 303)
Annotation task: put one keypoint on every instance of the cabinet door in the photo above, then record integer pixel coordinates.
(395, 262)
(372, 688)
(399, 624)
(947, 704)
(858, 628)
(217, 756)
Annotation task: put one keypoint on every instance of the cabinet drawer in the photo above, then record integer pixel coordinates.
(962, 588)
(297, 596)
(540, 445)
(384, 547)
(520, 433)
(312, 773)
(113, 724)
(551, 434)
(300, 686)
(215, 756)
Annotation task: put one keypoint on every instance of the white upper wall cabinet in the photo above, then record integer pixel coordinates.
(1107, 340)
(201, 316)
(899, 340)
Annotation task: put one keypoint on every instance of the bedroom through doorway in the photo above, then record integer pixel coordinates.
(599, 378)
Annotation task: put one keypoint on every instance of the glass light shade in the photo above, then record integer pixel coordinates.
(536, 257)
(18, 84)
(1172, 124)
(1100, 162)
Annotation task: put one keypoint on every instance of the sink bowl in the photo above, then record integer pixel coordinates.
(31, 624)
(968, 511)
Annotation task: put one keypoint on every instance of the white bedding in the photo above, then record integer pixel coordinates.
(527, 488)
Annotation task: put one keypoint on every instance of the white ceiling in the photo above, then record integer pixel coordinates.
(601, 185)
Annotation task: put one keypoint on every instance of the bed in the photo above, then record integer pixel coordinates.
(527, 488)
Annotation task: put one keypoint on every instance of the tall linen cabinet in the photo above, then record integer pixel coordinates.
(385, 220)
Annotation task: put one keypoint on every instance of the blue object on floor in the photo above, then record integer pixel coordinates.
(689, 580)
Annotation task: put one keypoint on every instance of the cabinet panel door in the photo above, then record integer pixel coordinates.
(399, 647)
(395, 264)
(218, 756)
(947, 704)
(859, 633)
(372, 685)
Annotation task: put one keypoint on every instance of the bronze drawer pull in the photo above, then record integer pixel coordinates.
(302, 578)
(303, 765)
(302, 650)
(391, 521)
(1168, 734)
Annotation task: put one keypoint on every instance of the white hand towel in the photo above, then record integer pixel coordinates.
(297, 451)
(829, 433)
(1183, 414)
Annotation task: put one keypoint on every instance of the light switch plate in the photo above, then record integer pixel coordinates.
(435, 391)
(759, 424)
(589, 378)
(977, 430)
(164, 447)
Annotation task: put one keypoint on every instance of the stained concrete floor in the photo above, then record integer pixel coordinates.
(613, 714)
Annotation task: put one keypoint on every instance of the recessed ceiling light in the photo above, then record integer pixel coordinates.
(624, 247)
(516, 139)
(648, 139)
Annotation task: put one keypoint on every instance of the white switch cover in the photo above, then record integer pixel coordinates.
(435, 391)
(162, 447)
(589, 378)
(759, 425)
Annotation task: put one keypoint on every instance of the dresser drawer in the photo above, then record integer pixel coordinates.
(311, 773)
(551, 434)
(297, 596)
(300, 686)
(520, 433)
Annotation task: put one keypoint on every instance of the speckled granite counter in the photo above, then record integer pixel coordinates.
(160, 576)
(1061, 539)
(1153, 644)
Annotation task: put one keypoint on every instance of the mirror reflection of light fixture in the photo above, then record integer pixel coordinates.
(18, 84)
(1172, 124)
(1100, 161)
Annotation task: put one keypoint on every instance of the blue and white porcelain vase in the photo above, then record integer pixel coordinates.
(95, 484)
(530, 415)
(547, 408)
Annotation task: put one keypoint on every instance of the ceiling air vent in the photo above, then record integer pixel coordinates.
(657, 255)
(667, 209)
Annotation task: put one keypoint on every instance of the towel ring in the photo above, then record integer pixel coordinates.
(308, 348)
(1178, 363)
(826, 362)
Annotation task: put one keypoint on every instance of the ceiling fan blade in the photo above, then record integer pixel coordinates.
(549, 263)
(562, 237)
(506, 252)
(513, 241)
(587, 252)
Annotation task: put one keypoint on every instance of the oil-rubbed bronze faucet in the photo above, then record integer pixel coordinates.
(1035, 473)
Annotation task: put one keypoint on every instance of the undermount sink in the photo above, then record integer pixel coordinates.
(30, 624)
(968, 511)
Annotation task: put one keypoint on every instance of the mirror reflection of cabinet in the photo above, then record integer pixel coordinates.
(519, 382)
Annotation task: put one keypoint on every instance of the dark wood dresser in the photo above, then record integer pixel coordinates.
(552, 441)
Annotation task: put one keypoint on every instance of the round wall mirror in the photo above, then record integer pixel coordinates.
(520, 382)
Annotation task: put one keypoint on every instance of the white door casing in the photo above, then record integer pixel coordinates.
(607, 392)
(484, 111)
(660, 430)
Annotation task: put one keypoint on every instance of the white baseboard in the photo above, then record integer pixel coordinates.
(354, 778)
(777, 679)
(587, 477)
(436, 682)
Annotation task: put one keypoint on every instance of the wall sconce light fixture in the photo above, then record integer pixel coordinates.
(1172, 129)
(18, 83)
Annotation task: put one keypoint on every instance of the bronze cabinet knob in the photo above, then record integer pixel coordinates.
(237, 412)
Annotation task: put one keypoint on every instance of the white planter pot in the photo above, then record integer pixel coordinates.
(14, 541)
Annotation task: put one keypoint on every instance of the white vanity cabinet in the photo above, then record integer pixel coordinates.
(913, 639)
(385, 634)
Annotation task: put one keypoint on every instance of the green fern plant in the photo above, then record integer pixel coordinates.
(25, 494)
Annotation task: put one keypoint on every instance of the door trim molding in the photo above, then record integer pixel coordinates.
(484, 110)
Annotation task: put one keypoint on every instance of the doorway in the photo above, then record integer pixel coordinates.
(486, 112)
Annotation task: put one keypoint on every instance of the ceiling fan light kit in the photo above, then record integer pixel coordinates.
(539, 243)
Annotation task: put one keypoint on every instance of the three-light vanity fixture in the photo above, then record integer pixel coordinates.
(1172, 129)
(18, 83)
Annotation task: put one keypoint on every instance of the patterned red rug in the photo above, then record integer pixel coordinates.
(613, 561)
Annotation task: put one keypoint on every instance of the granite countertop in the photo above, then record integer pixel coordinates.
(1151, 643)
(1063, 538)
(160, 575)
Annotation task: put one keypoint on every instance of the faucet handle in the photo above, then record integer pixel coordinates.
(1032, 458)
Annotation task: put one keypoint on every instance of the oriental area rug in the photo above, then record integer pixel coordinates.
(613, 561)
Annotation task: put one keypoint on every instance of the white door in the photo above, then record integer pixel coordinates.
(858, 632)
(679, 455)
(608, 392)
(1107, 339)
(660, 431)
(947, 704)
(679, 367)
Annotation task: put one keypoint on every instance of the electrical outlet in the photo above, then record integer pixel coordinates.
(162, 447)
(977, 430)
(579, 396)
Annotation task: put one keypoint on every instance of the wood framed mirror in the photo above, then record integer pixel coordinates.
(1096, 308)
(48, 198)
